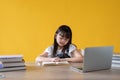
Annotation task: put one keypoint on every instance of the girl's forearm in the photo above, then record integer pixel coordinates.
(74, 59)
(41, 59)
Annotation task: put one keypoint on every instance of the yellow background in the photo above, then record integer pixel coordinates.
(27, 26)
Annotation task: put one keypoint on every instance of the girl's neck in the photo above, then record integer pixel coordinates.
(59, 47)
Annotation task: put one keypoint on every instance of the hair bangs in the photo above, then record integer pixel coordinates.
(64, 34)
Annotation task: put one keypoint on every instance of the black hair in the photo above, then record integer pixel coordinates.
(66, 32)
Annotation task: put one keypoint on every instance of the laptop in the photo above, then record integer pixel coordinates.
(95, 58)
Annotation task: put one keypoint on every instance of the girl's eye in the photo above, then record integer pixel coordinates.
(66, 39)
(60, 37)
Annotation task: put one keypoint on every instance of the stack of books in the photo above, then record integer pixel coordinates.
(11, 63)
(116, 60)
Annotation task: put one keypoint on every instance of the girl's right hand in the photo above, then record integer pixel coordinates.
(56, 59)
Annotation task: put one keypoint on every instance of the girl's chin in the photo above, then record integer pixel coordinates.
(61, 45)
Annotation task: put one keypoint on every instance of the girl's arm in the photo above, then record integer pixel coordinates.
(44, 58)
(76, 56)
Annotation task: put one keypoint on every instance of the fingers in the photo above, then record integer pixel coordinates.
(56, 59)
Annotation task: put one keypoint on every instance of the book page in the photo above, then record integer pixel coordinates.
(62, 62)
(48, 63)
(54, 63)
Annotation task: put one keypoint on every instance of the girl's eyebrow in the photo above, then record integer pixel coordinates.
(61, 34)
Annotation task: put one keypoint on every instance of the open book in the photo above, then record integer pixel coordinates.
(53, 63)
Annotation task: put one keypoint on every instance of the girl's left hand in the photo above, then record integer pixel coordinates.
(56, 59)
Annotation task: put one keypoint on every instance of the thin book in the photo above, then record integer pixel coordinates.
(12, 69)
(53, 63)
(11, 58)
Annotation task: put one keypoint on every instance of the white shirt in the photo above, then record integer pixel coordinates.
(49, 50)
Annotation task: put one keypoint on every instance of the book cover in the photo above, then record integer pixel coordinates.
(11, 56)
(13, 64)
(12, 69)
(115, 65)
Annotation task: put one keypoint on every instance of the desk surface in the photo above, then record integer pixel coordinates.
(63, 72)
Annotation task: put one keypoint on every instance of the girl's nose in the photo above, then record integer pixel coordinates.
(63, 40)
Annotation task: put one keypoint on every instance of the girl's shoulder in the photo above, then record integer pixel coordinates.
(50, 47)
(72, 45)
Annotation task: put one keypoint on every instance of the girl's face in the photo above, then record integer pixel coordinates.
(62, 41)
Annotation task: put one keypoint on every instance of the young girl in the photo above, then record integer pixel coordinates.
(62, 49)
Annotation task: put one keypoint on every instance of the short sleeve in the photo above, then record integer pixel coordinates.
(49, 50)
(71, 48)
(82, 52)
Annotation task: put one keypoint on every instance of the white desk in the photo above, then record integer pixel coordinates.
(34, 72)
